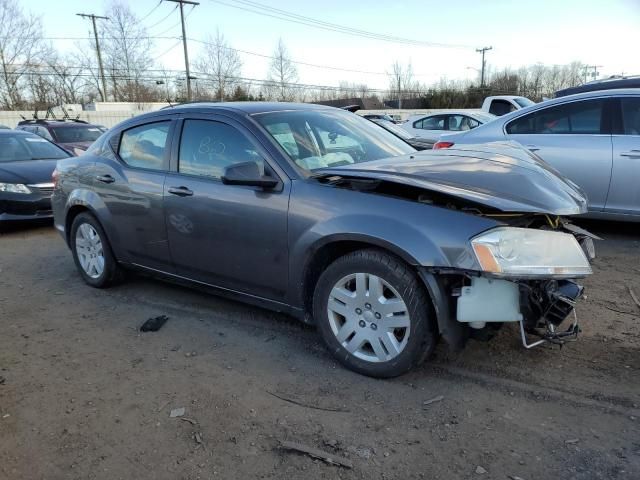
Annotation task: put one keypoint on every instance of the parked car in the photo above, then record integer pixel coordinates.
(603, 84)
(72, 135)
(4, 127)
(502, 104)
(26, 164)
(316, 212)
(379, 116)
(402, 134)
(592, 138)
(431, 126)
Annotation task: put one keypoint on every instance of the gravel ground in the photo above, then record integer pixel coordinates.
(85, 395)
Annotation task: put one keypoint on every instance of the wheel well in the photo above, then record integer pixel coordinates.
(322, 258)
(71, 215)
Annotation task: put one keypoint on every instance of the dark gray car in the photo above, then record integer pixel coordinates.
(317, 212)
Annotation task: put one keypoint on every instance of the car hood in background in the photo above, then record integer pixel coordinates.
(71, 145)
(500, 176)
(27, 171)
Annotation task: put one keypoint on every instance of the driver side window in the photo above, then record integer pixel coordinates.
(207, 147)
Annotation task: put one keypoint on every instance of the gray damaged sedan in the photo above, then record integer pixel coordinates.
(318, 213)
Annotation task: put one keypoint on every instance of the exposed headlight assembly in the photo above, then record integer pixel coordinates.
(14, 188)
(527, 253)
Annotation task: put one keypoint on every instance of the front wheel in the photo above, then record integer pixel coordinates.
(373, 313)
(92, 253)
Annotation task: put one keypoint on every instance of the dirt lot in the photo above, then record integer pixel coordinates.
(84, 394)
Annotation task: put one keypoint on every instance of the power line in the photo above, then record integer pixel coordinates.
(261, 9)
(163, 18)
(153, 9)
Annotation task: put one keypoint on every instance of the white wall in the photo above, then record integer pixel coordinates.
(111, 118)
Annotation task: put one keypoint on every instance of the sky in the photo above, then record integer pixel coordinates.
(521, 32)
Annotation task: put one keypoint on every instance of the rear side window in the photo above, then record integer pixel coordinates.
(145, 146)
(207, 147)
(437, 122)
(571, 118)
(501, 107)
(459, 123)
(631, 115)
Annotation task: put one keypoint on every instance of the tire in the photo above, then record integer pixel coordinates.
(92, 252)
(393, 331)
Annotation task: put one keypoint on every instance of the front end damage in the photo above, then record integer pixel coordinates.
(473, 296)
(476, 303)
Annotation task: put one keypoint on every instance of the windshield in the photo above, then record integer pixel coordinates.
(324, 138)
(523, 102)
(76, 134)
(21, 147)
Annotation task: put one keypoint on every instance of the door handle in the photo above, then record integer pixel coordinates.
(180, 191)
(632, 153)
(533, 148)
(105, 178)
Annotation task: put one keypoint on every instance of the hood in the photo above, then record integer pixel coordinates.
(498, 175)
(27, 171)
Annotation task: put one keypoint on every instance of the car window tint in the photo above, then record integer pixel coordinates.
(631, 115)
(501, 107)
(145, 146)
(44, 133)
(208, 147)
(459, 123)
(576, 117)
(437, 122)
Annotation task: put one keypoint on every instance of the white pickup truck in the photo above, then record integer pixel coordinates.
(502, 104)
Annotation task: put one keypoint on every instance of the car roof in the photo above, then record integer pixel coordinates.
(54, 123)
(249, 108)
(5, 131)
(469, 113)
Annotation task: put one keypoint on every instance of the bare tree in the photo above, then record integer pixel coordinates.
(20, 47)
(400, 80)
(221, 64)
(126, 53)
(282, 73)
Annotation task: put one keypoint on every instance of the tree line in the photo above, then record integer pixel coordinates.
(34, 74)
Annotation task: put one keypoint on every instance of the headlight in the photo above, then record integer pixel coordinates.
(14, 188)
(524, 252)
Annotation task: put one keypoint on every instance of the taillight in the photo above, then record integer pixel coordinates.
(54, 177)
(439, 145)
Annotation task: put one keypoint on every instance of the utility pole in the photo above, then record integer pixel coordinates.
(95, 34)
(483, 50)
(593, 74)
(184, 42)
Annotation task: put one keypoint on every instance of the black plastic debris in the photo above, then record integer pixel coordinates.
(154, 324)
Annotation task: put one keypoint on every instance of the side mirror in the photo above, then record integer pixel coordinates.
(249, 174)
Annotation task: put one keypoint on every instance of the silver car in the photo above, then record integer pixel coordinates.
(431, 126)
(592, 138)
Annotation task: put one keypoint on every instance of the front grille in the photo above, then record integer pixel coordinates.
(44, 189)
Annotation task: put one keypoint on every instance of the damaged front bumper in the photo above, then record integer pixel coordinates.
(540, 307)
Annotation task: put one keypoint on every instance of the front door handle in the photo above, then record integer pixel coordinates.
(632, 153)
(533, 148)
(105, 178)
(180, 191)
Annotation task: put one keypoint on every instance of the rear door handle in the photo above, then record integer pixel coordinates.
(533, 148)
(180, 191)
(632, 153)
(105, 178)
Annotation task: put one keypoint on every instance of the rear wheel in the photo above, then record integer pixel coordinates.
(373, 313)
(92, 253)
